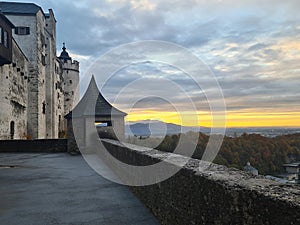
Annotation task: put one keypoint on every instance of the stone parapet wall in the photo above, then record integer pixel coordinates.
(34, 146)
(218, 195)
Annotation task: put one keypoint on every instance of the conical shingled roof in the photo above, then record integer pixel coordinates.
(93, 104)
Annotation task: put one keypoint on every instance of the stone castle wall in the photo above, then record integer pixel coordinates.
(14, 94)
(47, 93)
(33, 46)
(54, 83)
(71, 84)
(217, 195)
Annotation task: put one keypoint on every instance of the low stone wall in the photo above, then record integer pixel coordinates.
(218, 195)
(34, 146)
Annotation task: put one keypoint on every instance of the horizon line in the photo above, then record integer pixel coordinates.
(237, 127)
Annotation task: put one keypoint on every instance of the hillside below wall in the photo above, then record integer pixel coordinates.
(217, 195)
(34, 146)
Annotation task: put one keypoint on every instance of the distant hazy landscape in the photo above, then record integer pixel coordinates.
(159, 128)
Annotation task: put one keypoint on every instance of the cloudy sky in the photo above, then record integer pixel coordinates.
(252, 47)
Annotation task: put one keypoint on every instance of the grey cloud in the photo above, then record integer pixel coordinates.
(92, 27)
(257, 46)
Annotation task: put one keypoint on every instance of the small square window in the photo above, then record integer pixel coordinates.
(22, 30)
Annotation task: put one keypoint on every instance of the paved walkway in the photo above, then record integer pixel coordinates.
(61, 189)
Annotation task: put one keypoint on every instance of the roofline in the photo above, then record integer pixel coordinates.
(19, 48)
(23, 14)
(7, 20)
(93, 89)
(52, 13)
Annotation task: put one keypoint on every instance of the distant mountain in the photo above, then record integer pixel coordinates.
(159, 128)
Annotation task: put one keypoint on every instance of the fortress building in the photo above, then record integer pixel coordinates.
(37, 88)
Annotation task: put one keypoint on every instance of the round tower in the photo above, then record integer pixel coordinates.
(70, 74)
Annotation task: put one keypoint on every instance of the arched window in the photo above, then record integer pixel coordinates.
(12, 130)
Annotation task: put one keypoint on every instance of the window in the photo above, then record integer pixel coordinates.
(5, 39)
(1, 41)
(22, 30)
(44, 108)
(44, 60)
(12, 129)
(103, 124)
(43, 40)
(70, 81)
(59, 122)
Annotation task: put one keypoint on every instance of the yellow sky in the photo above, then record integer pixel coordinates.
(233, 119)
(249, 117)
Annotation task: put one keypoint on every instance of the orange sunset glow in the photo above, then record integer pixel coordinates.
(233, 119)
